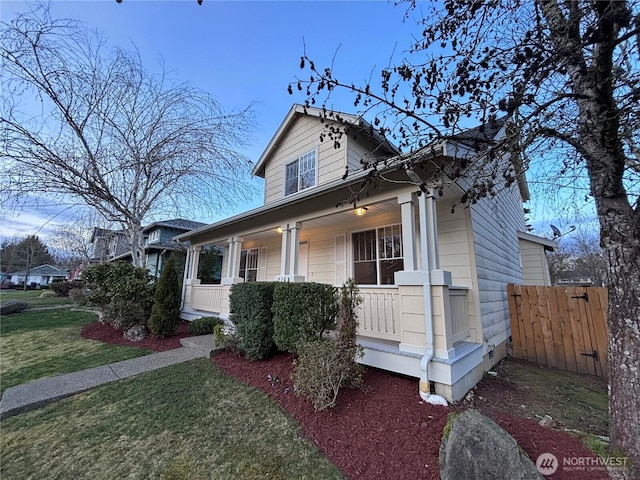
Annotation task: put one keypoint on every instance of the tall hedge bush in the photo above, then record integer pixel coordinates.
(165, 314)
(122, 291)
(303, 312)
(250, 305)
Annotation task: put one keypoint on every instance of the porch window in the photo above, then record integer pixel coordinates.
(300, 174)
(249, 265)
(210, 264)
(377, 255)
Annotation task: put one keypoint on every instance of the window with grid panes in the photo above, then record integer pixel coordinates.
(300, 174)
(377, 255)
(249, 265)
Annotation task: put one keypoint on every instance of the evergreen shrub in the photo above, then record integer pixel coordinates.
(303, 312)
(250, 304)
(204, 325)
(165, 314)
(123, 292)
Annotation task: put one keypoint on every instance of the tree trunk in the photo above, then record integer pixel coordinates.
(621, 241)
(133, 228)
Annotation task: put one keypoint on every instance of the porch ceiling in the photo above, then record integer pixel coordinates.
(313, 210)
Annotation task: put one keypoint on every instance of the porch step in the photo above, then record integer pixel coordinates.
(387, 346)
(386, 355)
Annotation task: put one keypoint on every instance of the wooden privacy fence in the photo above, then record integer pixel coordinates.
(561, 327)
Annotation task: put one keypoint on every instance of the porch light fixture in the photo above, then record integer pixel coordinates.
(360, 211)
(278, 229)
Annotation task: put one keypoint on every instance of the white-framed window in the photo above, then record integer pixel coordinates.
(300, 174)
(154, 236)
(377, 255)
(249, 264)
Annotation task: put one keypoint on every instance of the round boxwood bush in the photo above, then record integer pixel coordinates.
(204, 325)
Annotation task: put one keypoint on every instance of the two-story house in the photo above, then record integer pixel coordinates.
(433, 278)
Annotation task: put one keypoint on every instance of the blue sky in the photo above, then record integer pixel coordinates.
(240, 52)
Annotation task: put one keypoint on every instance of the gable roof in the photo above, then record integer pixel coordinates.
(298, 110)
(549, 245)
(44, 271)
(177, 223)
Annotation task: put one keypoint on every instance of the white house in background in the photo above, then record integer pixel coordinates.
(38, 276)
(433, 277)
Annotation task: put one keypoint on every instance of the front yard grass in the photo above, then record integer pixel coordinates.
(185, 421)
(32, 297)
(36, 344)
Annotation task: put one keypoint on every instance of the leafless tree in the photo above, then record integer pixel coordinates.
(566, 73)
(83, 121)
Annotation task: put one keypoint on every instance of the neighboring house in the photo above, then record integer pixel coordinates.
(112, 245)
(38, 276)
(159, 243)
(580, 278)
(433, 278)
(108, 244)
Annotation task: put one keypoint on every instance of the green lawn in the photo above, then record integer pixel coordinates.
(187, 421)
(36, 344)
(31, 297)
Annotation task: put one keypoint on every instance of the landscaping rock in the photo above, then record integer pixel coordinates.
(476, 447)
(135, 334)
(47, 294)
(547, 421)
(12, 306)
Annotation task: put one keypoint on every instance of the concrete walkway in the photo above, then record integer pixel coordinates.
(38, 393)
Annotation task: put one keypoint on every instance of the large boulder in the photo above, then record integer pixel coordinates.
(12, 306)
(475, 447)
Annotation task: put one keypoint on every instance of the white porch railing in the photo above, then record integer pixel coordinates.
(459, 314)
(379, 314)
(210, 298)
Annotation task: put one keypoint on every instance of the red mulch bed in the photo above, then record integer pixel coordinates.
(106, 333)
(385, 431)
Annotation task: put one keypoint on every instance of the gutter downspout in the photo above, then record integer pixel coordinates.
(428, 251)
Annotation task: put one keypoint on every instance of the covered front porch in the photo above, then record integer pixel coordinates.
(399, 324)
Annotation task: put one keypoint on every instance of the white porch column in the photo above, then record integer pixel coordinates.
(289, 260)
(193, 266)
(294, 248)
(284, 254)
(438, 276)
(407, 210)
(233, 264)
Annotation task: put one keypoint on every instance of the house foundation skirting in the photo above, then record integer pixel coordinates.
(453, 377)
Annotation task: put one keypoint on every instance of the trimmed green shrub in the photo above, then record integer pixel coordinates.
(79, 296)
(62, 287)
(303, 312)
(122, 291)
(250, 304)
(325, 365)
(204, 325)
(165, 314)
(12, 306)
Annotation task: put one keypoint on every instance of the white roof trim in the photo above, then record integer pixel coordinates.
(548, 244)
(298, 109)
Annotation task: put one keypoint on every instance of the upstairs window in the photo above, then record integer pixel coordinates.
(249, 265)
(300, 174)
(377, 255)
(154, 236)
